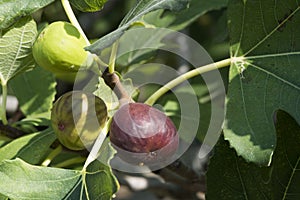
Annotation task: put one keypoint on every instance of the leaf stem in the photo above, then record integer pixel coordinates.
(113, 56)
(71, 161)
(97, 145)
(68, 9)
(3, 104)
(52, 155)
(180, 79)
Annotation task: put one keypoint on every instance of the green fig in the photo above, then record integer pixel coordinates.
(59, 48)
(77, 118)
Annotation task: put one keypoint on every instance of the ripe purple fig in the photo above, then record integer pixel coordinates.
(143, 134)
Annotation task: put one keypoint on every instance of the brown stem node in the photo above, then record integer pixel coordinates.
(113, 81)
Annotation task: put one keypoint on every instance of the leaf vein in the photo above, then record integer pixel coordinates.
(290, 179)
(273, 31)
(275, 76)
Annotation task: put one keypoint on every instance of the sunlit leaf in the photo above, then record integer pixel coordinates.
(31, 148)
(98, 181)
(35, 91)
(88, 5)
(20, 180)
(12, 10)
(15, 49)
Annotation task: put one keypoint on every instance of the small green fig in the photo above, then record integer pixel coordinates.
(59, 48)
(77, 118)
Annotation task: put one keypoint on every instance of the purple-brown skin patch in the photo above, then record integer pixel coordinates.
(140, 128)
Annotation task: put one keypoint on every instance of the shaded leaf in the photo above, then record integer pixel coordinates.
(137, 43)
(34, 182)
(35, 91)
(264, 75)
(15, 49)
(136, 40)
(2, 197)
(141, 8)
(231, 177)
(4, 139)
(181, 19)
(12, 10)
(31, 148)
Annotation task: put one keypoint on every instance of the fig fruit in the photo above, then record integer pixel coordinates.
(59, 48)
(143, 134)
(77, 118)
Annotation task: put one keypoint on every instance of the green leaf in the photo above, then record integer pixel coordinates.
(15, 49)
(88, 5)
(12, 10)
(136, 44)
(181, 19)
(109, 97)
(231, 177)
(35, 91)
(2, 197)
(98, 180)
(264, 75)
(19, 180)
(141, 8)
(32, 148)
(4, 139)
(135, 39)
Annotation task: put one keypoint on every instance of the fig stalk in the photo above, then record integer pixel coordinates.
(52, 155)
(68, 9)
(113, 81)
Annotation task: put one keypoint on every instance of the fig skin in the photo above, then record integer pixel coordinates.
(59, 48)
(143, 134)
(77, 118)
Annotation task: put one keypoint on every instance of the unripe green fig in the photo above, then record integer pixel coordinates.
(77, 118)
(59, 48)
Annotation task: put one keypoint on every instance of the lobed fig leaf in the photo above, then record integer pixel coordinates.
(77, 118)
(59, 48)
